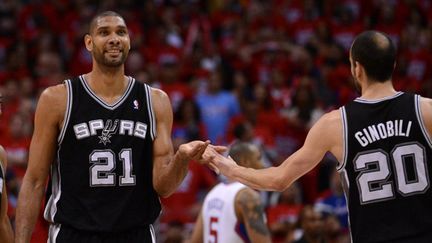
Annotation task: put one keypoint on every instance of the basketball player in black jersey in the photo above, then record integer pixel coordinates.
(6, 233)
(104, 141)
(382, 141)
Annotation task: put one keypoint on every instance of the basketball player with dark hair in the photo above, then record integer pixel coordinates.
(233, 212)
(382, 141)
(6, 233)
(104, 140)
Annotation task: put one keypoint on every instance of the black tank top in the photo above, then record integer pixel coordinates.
(386, 170)
(102, 178)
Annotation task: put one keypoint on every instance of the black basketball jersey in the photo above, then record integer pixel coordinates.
(102, 178)
(386, 170)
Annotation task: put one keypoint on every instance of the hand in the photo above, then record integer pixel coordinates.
(218, 162)
(208, 155)
(192, 150)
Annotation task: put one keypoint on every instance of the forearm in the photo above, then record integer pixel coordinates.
(167, 180)
(6, 233)
(268, 179)
(29, 202)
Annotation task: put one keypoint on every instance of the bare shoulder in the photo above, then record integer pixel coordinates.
(332, 116)
(159, 95)
(248, 196)
(326, 134)
(55, 93)
(247, 203)
(330, 122)
(426, 112)
(160, 101)
(52, 102)
(426, 102)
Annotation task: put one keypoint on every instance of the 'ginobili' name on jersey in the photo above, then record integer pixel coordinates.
(380, 131)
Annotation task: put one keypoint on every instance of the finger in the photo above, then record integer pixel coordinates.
(201, 149)
(198, 148)
(214, 168)
(219, 149)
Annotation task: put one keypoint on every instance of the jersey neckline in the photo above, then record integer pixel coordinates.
(120, 101)
(360, 100)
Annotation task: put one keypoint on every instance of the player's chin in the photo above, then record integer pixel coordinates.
(114, 62)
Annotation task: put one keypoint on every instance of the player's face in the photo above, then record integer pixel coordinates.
(110, 41)
(255, 158)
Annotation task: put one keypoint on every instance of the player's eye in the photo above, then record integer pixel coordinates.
(103, 32)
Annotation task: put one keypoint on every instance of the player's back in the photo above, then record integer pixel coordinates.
(386, 170)
(219, 217)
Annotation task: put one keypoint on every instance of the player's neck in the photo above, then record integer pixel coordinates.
(107, 84)
(107, 74)
(377, 90)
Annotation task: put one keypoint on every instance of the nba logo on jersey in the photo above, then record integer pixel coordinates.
(136, 105)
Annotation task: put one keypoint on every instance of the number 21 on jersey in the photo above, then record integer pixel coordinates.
(103, 165)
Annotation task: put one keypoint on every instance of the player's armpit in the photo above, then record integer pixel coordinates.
(250, 211)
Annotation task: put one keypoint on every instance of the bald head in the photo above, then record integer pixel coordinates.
(96, 18)
(246, 154)
(376, 52)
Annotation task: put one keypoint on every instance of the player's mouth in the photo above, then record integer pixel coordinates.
(113, 52)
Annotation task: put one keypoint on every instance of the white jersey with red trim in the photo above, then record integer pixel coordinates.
(220, 222)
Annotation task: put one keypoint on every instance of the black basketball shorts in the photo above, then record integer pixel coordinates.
(64, 234)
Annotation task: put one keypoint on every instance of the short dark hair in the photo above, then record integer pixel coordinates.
(101, 15)
(376, 52)
(239, 150)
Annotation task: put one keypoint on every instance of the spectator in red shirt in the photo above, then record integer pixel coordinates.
(283, 212)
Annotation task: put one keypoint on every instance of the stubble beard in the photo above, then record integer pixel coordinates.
(102, 59)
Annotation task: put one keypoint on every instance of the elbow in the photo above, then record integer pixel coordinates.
(279, 183)
(164, 193)
(162, 190)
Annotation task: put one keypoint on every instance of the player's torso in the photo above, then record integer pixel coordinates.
(103, 173)
(219, 217)
(386, 169)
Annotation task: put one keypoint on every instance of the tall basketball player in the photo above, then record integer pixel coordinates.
(233, 212)
(382, 141)
(105, 140)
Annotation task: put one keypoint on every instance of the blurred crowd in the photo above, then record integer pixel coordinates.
(250, 70)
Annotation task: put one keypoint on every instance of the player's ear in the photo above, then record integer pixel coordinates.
(88, 41)
(358, 69)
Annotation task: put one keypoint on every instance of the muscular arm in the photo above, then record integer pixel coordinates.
(325, 135)
(169, 169)
(49, 115)
(250, 211)
(6, 233)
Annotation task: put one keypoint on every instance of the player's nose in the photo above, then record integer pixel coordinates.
(114, 40)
